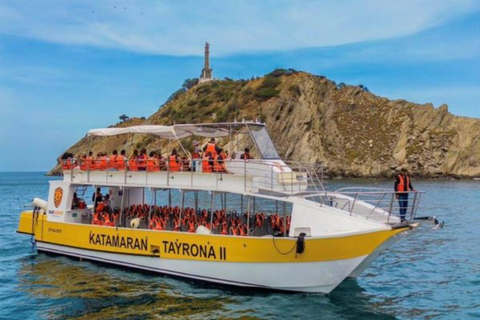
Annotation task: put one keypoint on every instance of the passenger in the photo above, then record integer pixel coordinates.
(152, 162)
(174, 163)
(402, 187)
(246, 154)
(97, 198)
(206, 165)
(142, 160)
(107, 202)
(196, 155)
(75, 201)
(227, 156)
(84, 162)
(212, 147)
(67, 161)
(185, 163)
(121, 160)
(90, 161)
(133, 162)
(113, 161)
(219, 162)
(162, 162)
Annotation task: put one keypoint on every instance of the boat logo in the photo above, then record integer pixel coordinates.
(57, 197)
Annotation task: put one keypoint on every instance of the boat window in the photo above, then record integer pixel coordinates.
(263, 142)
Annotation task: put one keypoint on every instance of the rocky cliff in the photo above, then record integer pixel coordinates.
(312, 119)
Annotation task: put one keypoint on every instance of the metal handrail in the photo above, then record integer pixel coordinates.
(302, 176)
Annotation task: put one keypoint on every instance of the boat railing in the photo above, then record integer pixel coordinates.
(374, 203)
(265, 176)
(371, 203)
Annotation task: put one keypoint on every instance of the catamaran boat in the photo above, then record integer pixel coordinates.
(266, 223)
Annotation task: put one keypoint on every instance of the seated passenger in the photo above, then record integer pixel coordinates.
(142, 160)
(174, 163)
(227, 156)
(162, 162)
(152, 162)
(206, 163)
(67, 161)
(113, 161)
(122, 160)
(219, 162)
(133, 162)
(246, 154)
(90, 161)
(84, 162)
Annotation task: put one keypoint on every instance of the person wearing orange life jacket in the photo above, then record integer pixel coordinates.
(207, 163)
(83, 162)
(212, 147)
(142, 160)
(121, 160)
(90, 161)
(402, 187)
(219, 162)
(133, 161)
(152, 162)
(174, 163)
(113, 161)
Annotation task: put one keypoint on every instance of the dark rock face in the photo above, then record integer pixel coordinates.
(311, 119)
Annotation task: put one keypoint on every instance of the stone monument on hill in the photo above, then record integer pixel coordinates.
(206, 72)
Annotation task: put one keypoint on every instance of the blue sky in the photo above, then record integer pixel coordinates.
(68, 66)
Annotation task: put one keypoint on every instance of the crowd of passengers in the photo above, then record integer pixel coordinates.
(188, 219)
(212, 158)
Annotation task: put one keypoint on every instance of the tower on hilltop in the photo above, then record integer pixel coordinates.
(206, 72)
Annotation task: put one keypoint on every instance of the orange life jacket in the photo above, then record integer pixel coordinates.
(67, 164)
(102, 161)
(96, 220)
(211, 147)
(242, 230)
(403, 184)
(224, 229)
(106, 221)
(206, 166)
(216, 166)
(132, 165)
(176, 224)
(112, 164)
(233, 231)
(90, 163)
(120, 163)
(191, 225)
(174, 165)
(83, 164)
(152, 165)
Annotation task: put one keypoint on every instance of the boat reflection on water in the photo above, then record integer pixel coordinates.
(68, 288)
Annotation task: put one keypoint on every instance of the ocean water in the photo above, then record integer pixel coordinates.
(433, 274)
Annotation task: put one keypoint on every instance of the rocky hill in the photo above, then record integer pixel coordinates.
(353, 132)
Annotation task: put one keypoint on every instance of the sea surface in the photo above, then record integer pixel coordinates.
(433, 274)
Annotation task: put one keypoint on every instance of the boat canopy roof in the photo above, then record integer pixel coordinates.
(179, 131)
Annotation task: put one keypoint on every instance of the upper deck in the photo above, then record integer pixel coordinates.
(265, 174)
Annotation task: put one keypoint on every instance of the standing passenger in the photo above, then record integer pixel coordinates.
(212, 147)
(403, 186)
